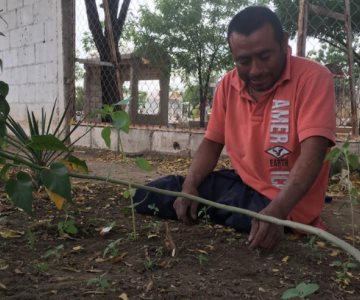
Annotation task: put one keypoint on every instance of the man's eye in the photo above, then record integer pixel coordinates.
(265, 57)
(242, 62)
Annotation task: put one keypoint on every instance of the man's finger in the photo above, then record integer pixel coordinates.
(260, 235)
(194, 206)
(254, 229)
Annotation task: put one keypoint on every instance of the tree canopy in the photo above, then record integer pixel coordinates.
(190, 35)
(328, 30)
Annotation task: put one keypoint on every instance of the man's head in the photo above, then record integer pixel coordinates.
(258, 45)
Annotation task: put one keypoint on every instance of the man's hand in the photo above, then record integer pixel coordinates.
(186, 210)
(266, 235)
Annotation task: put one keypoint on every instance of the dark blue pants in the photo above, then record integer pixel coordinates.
(224, 187)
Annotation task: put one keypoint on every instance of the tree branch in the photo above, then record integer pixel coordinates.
(95, 26)
(119, 24)
(294, 225)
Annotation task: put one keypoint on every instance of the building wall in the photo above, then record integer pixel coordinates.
(32, 55)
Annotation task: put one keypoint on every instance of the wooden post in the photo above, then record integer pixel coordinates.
(302, 28)
(112, 46)
(354, 119)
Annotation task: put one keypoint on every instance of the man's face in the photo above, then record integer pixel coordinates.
(259, 58)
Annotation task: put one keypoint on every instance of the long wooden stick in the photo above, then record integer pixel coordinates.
(294, 225)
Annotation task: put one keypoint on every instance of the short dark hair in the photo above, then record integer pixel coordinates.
(253, 18)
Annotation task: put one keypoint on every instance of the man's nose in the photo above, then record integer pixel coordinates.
(256, 68)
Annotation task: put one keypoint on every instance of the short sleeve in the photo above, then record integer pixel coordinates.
(316, 114)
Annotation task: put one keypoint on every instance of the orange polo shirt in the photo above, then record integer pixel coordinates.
(263, 138)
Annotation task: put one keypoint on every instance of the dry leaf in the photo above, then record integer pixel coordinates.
(123, 296)
(94, 271)
(9, 233)
(77, 248)
(321, 244)
(57, 199)
(3, 286)
(285, 259)
(334, 253)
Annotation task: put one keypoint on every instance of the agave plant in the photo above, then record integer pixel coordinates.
(41, 146)
(41, 157)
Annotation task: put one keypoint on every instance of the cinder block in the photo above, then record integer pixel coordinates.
(27, 93)
(44, 10)
(20, 75)
(4, 42)
(45, 52)
(10, 58)
(13, 95)
(12, 4)
(137, 141)
(171, 142)
(50, 30)
(37, 33)
(46, 92)
(25, 16)
(26, 55)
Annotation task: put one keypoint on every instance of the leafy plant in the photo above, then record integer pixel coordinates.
(112, 248)
(100, 281)
(55, 252)
(302, 290)
(121, 122)
(154, 208)
(67, 226)
(351, 161)
(343, 276)
(202, 258)
(41, 157)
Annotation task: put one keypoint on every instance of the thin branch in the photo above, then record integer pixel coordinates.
(119, 25)
(294, 225)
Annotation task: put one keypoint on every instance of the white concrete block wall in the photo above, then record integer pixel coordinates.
(31, 51)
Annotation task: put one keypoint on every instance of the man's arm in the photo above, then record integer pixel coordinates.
(301, 178)
(203, 163)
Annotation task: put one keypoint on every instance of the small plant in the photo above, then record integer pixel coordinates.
(121, 122)
(301, 291)
(154, 209)
(56, 252)
(202, 258)
(67, 226)
(30, 236)
(42, 267)
(343, 276)
(112, 248)
(350, 162)
(159, 251)
(101, 282)
(203, 213)
(149, 263)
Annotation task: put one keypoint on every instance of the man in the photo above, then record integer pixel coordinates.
(275, 114)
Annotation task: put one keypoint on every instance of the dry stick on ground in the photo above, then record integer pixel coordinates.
(294, 225)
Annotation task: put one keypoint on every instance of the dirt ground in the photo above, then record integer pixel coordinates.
(40, 261)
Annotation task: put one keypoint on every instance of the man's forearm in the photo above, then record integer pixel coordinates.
(303, 174)
(203, 163)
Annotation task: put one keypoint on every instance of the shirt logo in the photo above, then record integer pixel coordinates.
(278, 151)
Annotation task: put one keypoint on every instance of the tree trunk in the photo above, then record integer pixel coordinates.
(110, 92)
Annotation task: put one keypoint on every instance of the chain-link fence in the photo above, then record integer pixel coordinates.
(165, 56)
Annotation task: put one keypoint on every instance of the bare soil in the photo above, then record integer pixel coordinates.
(209, 261)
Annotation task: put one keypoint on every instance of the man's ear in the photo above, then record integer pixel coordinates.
(285, 42)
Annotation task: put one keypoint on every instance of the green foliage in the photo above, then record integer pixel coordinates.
(112, 248)
(188, 36)
(143, 164)
(56, 252)
(40, 148)
(101, 282)
(20, 191)
(154, 208)
(67, 226)
(343, 276)
(329, 31)
(302, 290)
